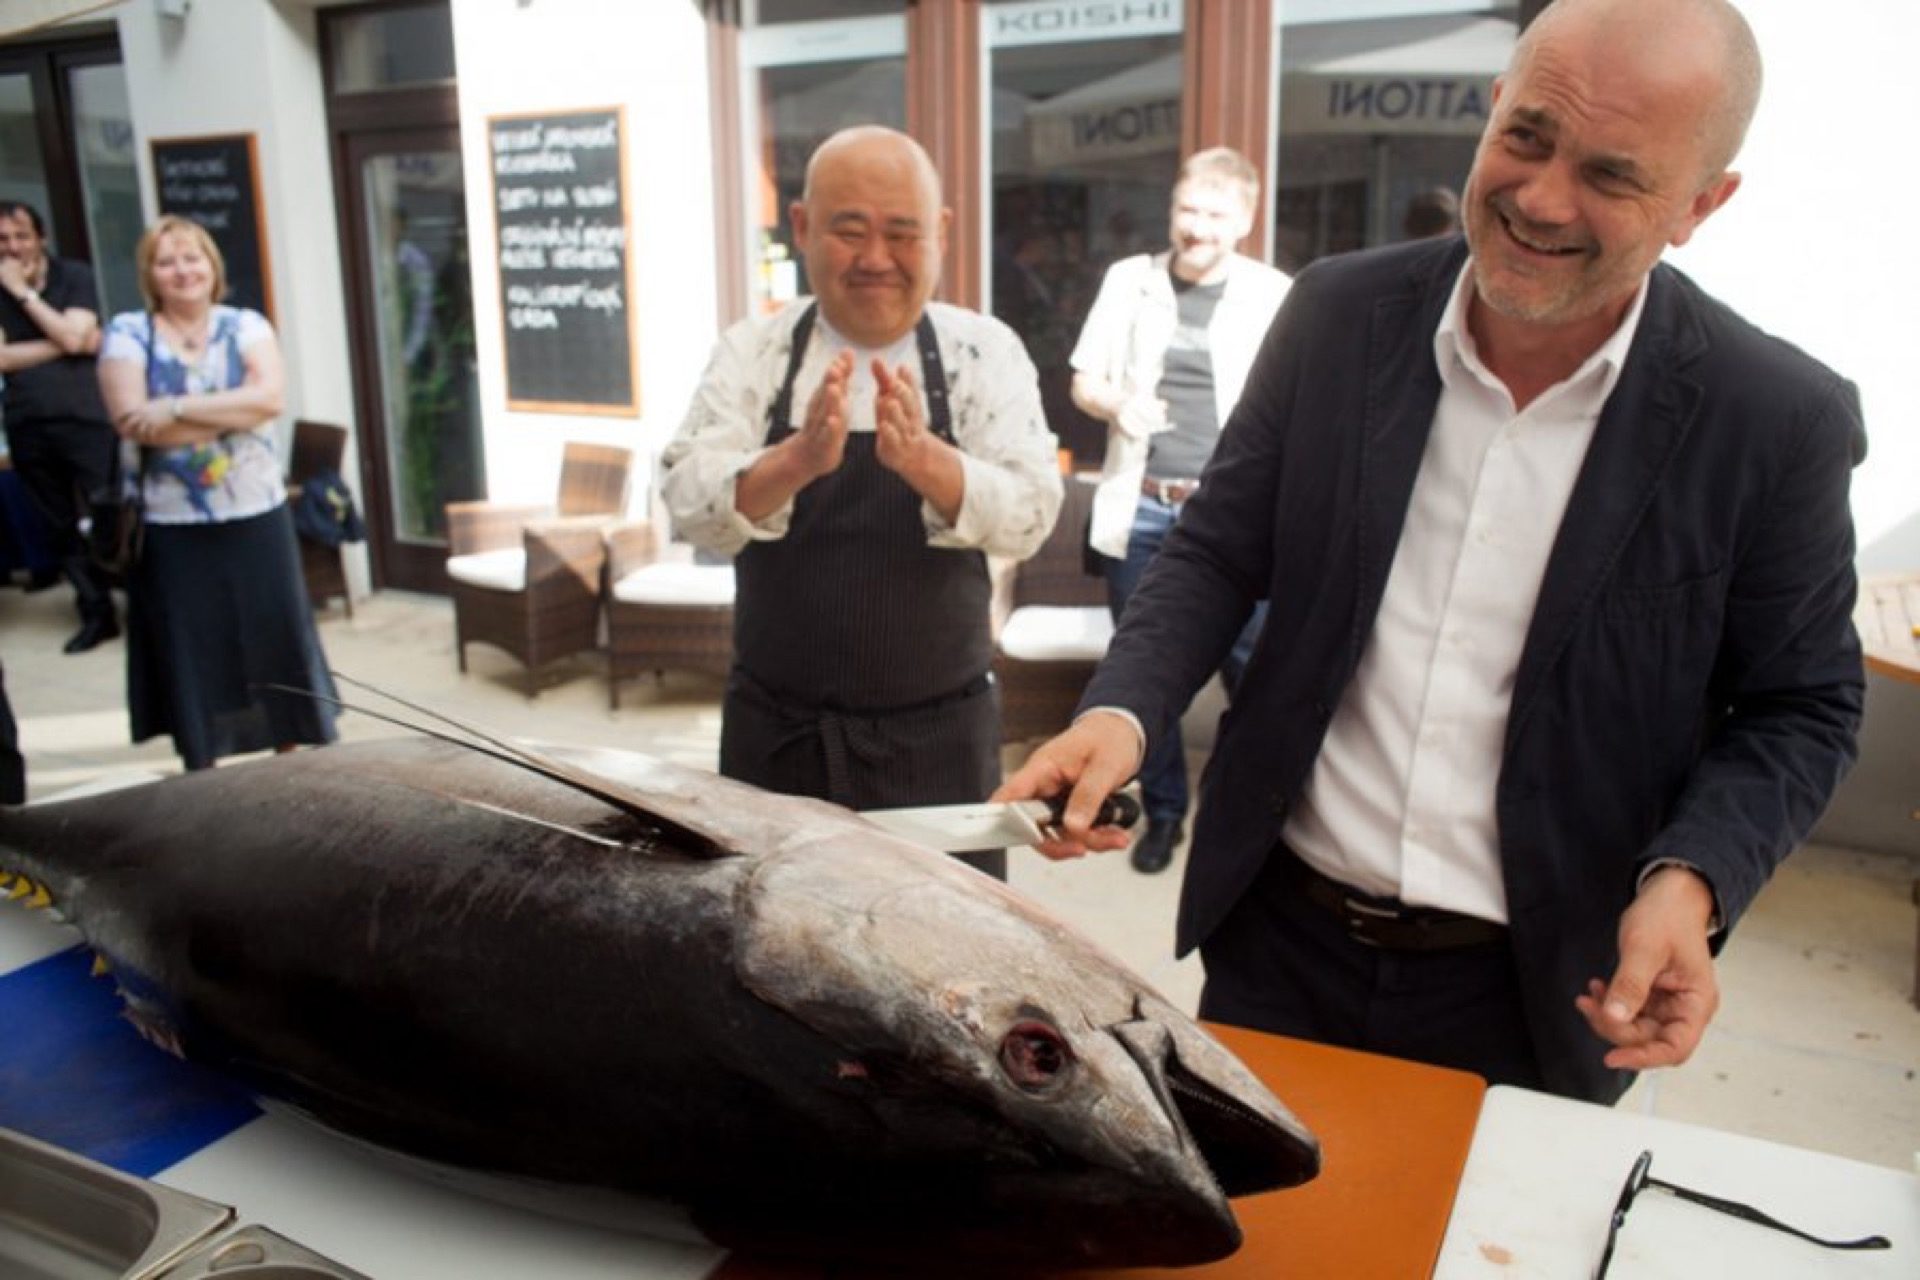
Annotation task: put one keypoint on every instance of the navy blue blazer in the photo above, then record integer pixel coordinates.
(1690, 684)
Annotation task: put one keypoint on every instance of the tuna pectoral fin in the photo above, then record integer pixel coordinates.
(1249, 1141)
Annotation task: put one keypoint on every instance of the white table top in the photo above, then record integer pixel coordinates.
(356, 1208)
(1544, 1173)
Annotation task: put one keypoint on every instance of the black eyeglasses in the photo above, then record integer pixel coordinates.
(1639, 1179)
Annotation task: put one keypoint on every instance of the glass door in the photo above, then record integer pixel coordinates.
(810, 70)
(109, 180)
(416, 380)
(22, 172)
(1084, 123)
(1380, 108)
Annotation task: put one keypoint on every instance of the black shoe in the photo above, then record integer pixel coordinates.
(42, 580)
(1154, 850)
(92, 632)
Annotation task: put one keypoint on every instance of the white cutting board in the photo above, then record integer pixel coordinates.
(1543, 1174)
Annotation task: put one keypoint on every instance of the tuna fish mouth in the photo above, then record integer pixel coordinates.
(1248, 1142)
(1246, 1152)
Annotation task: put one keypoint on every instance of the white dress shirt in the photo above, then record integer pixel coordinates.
(1400, 802)
(1009, 458)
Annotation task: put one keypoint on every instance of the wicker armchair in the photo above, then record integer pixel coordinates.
(1057, 630)
(528, 581)
(319, 447)
(663, 610)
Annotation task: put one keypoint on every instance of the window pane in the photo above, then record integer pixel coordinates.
(392, 48)
(416, 227)
(1374, 112)
(1085, 146)
(807, 80)
(22, 171)
(109, 181)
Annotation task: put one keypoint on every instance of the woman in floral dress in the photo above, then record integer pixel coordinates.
(216, 607)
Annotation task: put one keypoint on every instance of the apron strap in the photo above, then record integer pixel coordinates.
(939, 414)
(782, 411)
(932, 369)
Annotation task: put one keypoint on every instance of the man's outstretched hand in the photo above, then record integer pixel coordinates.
(1665, 990)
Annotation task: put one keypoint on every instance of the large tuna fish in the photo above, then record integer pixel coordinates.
(812, 1036)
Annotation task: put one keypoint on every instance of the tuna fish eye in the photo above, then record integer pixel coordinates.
(1035, 1056)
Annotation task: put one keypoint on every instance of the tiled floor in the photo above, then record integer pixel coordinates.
(1817, 1043)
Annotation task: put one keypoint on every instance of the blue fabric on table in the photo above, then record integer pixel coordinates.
(74, 1072)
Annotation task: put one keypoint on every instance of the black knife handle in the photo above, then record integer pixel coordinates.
(1119, 809)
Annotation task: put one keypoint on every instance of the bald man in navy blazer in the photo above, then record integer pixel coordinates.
(1559, 662)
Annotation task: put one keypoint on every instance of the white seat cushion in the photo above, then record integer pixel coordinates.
(1056, 633)
(502, 570)
(707, 586)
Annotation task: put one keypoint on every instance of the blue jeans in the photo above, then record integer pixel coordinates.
(1163, 774)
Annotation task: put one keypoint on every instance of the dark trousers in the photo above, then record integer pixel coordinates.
(1285, 964)
(63, 465)
(1163, 774)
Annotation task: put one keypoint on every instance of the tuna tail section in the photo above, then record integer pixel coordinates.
(25, 890)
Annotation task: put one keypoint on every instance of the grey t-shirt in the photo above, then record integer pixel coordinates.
(1186, 384)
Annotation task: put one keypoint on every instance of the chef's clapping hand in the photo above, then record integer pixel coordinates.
(902, 441)
(821, 440)
(1094, 758)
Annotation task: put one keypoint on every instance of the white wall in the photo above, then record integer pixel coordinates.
(1818, 245)
(247, 66)
(651, 58)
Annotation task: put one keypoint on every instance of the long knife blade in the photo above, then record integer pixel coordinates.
(966, 828)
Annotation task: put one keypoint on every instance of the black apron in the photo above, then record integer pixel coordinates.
(862, 657)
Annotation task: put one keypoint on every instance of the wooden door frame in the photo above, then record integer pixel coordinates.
(429, 112)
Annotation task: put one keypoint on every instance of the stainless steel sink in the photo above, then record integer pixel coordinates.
(255, 1253)
(64, 1217)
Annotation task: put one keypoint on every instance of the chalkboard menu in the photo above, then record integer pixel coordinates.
(559, 188)
(216, 182)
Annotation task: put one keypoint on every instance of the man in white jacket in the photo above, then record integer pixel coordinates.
(1162, 359)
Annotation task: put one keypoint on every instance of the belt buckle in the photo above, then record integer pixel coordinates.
(1358, 916)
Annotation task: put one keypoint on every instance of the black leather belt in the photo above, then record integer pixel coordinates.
(1387, 923)
(1171, 492)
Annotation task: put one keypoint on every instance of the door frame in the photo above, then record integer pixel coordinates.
(47, 64)
(413, 118)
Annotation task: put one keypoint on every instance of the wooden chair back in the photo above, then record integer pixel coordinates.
(1056, 573)
(317, 447)
(594, 479)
